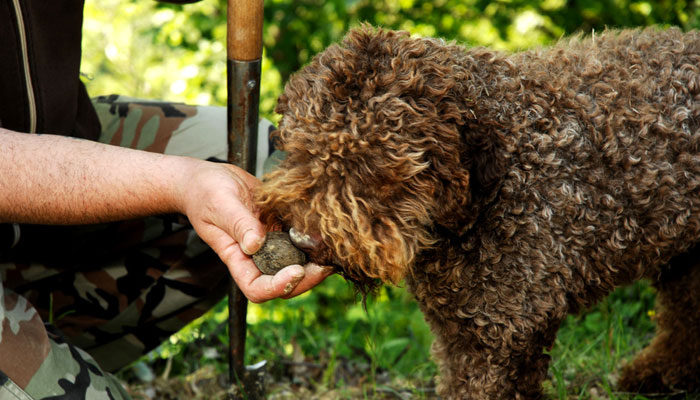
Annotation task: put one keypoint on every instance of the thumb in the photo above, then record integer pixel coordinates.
(245, 229)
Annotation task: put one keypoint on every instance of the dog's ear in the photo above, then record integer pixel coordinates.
(485, 159)
(466, 176)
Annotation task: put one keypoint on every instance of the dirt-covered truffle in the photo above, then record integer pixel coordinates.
(276, 253)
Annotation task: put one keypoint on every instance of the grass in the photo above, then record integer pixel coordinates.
(591, 347)
(324, 345)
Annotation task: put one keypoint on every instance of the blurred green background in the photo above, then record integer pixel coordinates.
(323, 344)
(157, 50)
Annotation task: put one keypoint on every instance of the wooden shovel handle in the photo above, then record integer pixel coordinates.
(245, 21)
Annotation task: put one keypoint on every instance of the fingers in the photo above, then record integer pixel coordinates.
(287, 283)
(258, 287)
(245, 228)
(314, 274)
(282, 284)
(228, 222)
(242, 225)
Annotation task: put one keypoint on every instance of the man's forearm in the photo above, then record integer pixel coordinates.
(47, 179)
(58, 180)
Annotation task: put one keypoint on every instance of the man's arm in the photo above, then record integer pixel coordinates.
(48, 179)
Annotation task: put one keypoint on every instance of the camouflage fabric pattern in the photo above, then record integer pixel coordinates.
(64, 372)
(112, 291)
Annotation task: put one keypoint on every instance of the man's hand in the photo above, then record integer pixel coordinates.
(218, 202)
(60, 180)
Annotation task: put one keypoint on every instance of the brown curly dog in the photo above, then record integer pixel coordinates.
(508, 190)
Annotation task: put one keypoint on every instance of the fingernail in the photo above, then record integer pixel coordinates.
(251, 242)
(296, 278)
(326, 269)
(315, 268)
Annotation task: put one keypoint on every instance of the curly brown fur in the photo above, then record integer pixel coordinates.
(508, 190)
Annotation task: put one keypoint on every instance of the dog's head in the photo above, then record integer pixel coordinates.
(372, 129)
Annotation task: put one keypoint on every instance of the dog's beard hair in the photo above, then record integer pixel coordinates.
(365, 249)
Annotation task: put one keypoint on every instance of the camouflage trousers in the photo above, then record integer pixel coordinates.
(78, 302)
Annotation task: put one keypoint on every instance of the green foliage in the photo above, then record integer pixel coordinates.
(331, 324)
(177, 52)
(347, 345)
(591, 346)
(295, 30)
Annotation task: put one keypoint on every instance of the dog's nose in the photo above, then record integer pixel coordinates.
(304, 241)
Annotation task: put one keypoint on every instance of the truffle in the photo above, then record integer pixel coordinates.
(277, 252)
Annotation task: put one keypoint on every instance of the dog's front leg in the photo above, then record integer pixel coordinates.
(489, 345)
(470, 370)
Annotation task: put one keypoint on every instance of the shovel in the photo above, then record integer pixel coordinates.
(244, 54)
